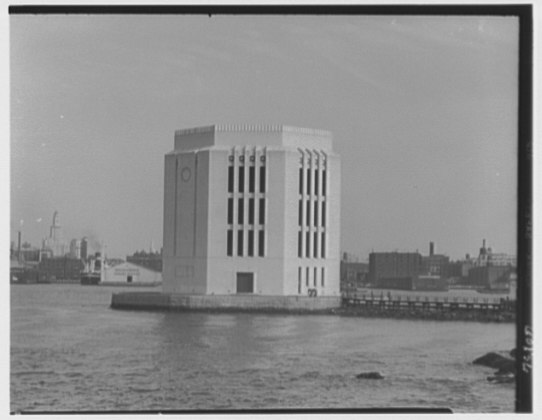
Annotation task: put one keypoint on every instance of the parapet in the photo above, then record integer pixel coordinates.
(252, 135)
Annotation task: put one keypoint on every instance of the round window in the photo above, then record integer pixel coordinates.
(186, 173)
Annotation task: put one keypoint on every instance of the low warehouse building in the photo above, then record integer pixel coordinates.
(130, 273)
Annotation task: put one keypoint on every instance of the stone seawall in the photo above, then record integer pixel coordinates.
(223, 303)
(423, 307)
(140, 300)
(158, 301)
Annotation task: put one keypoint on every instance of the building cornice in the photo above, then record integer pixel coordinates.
(254, 128)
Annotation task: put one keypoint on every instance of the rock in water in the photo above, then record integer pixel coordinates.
(497, 361)
(502, 379)
(369, 375)
(487, 359)
(507, 367)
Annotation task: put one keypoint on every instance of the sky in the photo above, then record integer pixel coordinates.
(423, 112)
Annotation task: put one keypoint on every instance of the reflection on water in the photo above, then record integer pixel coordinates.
(69, 351)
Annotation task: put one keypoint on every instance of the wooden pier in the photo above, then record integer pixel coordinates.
(409, 302)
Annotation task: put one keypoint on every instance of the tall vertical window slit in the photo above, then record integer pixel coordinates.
(250, 211)
(261, 243)
(230, 179)
(230, 210)
(250, 243)
(262, 211)
(229, 250)
(240, 211)
(240, 243)
(262, 178)
(251, 178)
(241, 178)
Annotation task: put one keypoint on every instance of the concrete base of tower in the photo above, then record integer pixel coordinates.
(224, 303)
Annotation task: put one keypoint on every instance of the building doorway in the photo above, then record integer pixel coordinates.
(129, 279)
(245, 282)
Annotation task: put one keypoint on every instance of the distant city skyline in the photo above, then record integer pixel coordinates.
(423, 111)
(97, 246)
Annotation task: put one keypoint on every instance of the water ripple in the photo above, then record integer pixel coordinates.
(101, 359)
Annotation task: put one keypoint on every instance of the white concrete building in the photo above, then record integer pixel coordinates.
(130, 273)
(252, 210)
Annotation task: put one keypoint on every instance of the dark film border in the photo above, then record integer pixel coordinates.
(524, 331)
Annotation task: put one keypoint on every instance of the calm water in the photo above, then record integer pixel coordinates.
(69, 351)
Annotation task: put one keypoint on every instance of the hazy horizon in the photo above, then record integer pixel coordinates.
(423, 111)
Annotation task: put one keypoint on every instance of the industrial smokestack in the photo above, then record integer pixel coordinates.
(19, 245)
(431, 248)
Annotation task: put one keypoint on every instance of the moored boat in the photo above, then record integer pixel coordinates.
(93, 271)
(90, 279)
